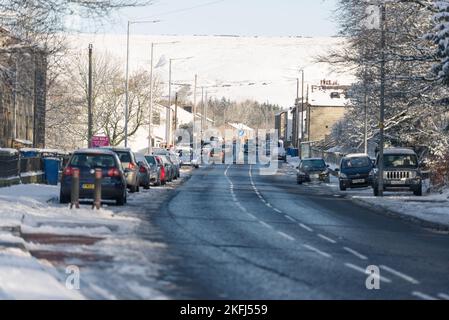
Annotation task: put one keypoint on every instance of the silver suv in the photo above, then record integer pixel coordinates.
(401, 171)
(130, 166)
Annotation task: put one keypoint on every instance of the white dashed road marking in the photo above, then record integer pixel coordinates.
(361, 270)
(355, 253)
(322, 253)
(286, 236)
(443, 296)
(423, 296)
(289, 218)
(400, 274)
(305, 227)
(327, 238)
(266, 225)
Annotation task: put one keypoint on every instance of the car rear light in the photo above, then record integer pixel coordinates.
(143, 169)
(131, 166)
(114, 172)
(68, 171)
(162, 173)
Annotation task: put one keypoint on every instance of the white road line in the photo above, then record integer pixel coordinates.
(423, 296)
(289, 218)
(324, 254)
(286, 236)
(277, 210)
(443, 296)
(305, 227)
(269, 205)
(327, 238)
(361, 270)
(355, 253)
(400, 274)
(266, 225)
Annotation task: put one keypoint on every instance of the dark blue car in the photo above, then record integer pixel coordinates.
(355, 171)
(113, 184)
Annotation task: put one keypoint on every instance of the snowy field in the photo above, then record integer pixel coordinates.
(431, 207)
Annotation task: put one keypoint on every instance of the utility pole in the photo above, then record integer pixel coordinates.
(127, 85)
(194, 113)
(298, 130)
(382, 101)
(176, 119)
(150, 116)
(168, 114)
(366, 108)
(89, 101)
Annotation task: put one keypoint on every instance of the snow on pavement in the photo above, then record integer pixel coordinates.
(431, 207)
(39, 239)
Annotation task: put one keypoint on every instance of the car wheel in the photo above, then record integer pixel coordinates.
(299, 181)
(376, 191)
(133, 189)
(342, 187)
(121, 200)
(147, 186)
(418, 192)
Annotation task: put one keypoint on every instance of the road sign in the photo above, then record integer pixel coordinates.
(241, 133)
(100, 141)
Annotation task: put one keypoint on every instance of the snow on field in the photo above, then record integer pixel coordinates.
(33, 223)
(431, 207)
(260, 68)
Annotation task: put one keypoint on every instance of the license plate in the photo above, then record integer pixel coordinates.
(314, 176)
(398, 182)
(358, 181)
(88, 186)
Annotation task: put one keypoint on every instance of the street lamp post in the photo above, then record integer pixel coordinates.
(127, 74)
(382, 101)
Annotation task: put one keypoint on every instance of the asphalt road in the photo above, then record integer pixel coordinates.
(234, 234)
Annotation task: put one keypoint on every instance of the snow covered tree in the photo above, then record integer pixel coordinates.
(440, 37)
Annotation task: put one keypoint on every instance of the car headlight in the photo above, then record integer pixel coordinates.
(343, 175)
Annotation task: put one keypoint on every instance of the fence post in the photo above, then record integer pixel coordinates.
(75, 191)
(97, 193)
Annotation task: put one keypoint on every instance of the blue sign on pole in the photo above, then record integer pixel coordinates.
(241, 133)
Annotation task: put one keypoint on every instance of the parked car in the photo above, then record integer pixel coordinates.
(355, 171)
(174, 158)
(401, 171)
(146, 174)
(282, 153)
(155, 168)
(163, 171)
(169, 168)
(187, 157)
(313, 169)
(130, 166)
(113, 185)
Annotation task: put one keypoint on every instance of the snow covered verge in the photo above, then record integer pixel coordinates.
(45, 247)
(430, 210)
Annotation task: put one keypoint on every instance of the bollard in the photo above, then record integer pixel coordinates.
(75, 190)
(97, 192)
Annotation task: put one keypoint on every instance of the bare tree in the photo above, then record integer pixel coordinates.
(68, 102)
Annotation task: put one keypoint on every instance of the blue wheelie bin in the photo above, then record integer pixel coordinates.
(51, 168)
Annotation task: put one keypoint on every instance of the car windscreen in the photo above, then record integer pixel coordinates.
(125, 157)
(92, 161)
(313, 164)
(356, 162)
(400, 161)
(151, 160)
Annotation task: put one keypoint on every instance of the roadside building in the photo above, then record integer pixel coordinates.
(23, 72)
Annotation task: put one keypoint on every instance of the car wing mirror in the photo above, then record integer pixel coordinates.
(337, 170)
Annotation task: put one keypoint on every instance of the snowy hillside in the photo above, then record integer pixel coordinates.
(261, 68)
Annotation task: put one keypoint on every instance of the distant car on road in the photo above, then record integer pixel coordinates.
(313, 169)
(355, 171)
(113, 185)
(130, 166)
(401, 171)
(187, 157)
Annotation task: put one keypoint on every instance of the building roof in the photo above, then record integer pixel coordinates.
(240, 126)
(398, 151)
(328, 96)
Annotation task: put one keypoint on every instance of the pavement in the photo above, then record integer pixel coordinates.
(232, 233)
